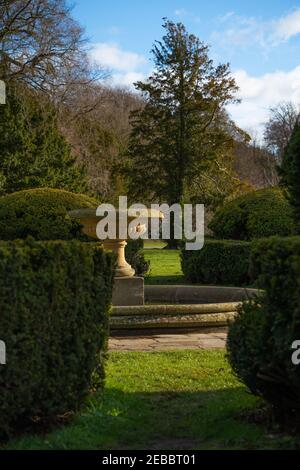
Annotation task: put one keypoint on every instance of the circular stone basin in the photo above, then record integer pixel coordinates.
(183, 307)
(197, 294)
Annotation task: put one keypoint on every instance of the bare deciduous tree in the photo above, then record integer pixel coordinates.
(255, 164)
(96, 123)
(279, 127)
(42, 45)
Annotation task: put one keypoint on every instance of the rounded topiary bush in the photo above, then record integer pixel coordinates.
(218, 262)
(256, 214)
(42, 214)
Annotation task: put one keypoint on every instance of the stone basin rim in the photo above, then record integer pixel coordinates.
(198, 294)
(200, 307)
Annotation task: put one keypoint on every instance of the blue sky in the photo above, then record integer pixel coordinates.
(260, 39)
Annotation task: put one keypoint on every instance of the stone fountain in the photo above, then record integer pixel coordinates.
(128, 288)
(167, 306)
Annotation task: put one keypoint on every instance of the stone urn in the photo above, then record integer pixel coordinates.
(89, 221)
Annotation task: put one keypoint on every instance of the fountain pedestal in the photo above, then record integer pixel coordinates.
(128, 289)
(123, 268)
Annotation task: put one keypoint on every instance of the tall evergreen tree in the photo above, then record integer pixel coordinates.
(178, 131)
(33, 152)
(290, 173)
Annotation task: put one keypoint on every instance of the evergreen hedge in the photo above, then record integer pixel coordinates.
(260, 339)
(42, 214)
(218, 262)
(54, 307)
(256, 214)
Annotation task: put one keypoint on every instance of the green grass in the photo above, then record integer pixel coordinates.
(157, 244)
(166, 400)
(165, 267)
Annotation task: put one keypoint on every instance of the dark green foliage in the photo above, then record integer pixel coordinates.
(33, 152)
(254, 215)
(177, 133)
(290, 173)
(219, 262)
(54, 303)
(135, 256)
(260, 339)
(42, 214)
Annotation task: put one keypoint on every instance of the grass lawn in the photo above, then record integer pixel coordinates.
(165, 267)
(150, 244)
(168, 400)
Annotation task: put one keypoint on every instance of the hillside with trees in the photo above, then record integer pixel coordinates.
(65, 127)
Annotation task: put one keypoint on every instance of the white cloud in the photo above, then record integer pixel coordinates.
(225, 17)
(126, 67)
(183, 13)
(288, 26)
(110, 55)
(180, 12)
(239, 31)
(127, 79)
(242, 31)
(258, 94)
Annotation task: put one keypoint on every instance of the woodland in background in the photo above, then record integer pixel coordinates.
(75, 127)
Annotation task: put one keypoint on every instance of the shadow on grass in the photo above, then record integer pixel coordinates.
(165, 420)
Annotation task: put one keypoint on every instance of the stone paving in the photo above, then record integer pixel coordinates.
(170, 340)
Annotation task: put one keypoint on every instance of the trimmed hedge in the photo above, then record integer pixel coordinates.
(260, 339)
(54, 307)
(256, 214)
(42, 214)
(219, 262)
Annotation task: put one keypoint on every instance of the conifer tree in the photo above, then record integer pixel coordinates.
(177, 133)
(33, 152)
(290, 173)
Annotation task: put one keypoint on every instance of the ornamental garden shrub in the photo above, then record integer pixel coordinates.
(257, 214)
(42, 214)
(219, 262)
(260, 339)
(135, 256)
(54, 303)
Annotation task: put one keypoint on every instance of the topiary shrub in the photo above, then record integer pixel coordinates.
(218, 262)
(260, 340)
(254, 215)
(42, 214)
(54, 304)
(135, 256)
